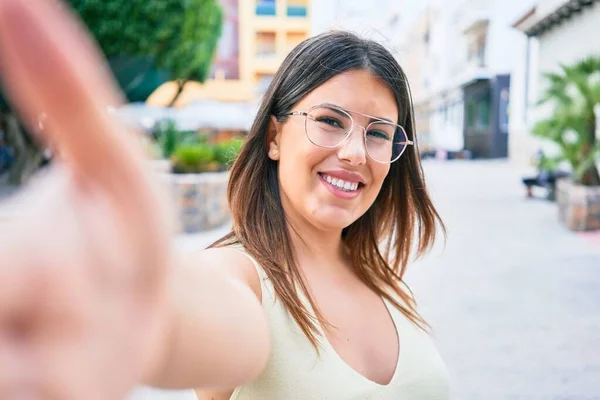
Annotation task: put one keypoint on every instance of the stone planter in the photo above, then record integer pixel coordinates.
(201, 200)
(578, 206)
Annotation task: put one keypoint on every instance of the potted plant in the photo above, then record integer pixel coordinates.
(199, 178)
(160, 145)
(572, 95)
(225, 152)
(194, 158)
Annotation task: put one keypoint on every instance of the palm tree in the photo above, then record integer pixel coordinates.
(573, 93)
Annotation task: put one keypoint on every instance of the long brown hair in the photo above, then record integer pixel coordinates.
(381, 241)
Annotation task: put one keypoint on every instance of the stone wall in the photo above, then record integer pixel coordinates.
(201, 200)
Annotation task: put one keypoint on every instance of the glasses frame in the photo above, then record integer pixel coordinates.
(376, 120)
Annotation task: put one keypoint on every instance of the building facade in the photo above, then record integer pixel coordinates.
(554, 33)
(375, 19)
(463, 76)
(413, 58)
(257, 35)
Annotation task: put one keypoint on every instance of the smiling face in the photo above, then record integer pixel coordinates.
(330, 188)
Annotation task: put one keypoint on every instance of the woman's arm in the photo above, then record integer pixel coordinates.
(86, 284)
(217, 336)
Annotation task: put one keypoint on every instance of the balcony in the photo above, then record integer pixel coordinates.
(476, 15)
(265, 44)
(267, 64)
(296, 11)
(265, 8)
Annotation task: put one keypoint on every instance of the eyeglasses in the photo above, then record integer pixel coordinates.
(329, 126)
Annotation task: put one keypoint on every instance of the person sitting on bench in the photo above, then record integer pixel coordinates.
(546, 177)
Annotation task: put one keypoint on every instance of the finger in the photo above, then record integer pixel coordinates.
(13, 280)
(51, 66)
(29, 249)
(17, 379)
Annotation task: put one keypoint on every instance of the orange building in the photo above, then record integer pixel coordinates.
(257, 35)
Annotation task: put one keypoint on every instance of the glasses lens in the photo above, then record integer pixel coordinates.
(327, 126)
(385, 142)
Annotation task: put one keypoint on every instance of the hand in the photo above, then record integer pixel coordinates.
(83, 267)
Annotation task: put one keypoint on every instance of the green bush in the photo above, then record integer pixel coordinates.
(169, 137)
(193, 158)
(573, 92)
(226, 152)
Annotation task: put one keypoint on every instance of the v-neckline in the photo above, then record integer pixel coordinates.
(340, 360)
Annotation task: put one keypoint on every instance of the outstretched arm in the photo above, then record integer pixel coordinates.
(92, 298)
(218, 336)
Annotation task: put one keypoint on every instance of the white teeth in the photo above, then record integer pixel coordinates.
(341, 184)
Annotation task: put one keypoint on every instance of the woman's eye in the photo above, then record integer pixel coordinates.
(331, 122)
(379, 135)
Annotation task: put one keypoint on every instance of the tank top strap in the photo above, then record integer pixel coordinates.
(266, 287)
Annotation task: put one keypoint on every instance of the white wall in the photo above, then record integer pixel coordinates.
(568, 43)
(521, 145)
(563, 44)
(502, 38)
(571, 40)
(447, 53)
(448, 61)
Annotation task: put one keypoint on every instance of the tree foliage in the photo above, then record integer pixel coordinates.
(150, 41)
(146, 42)
(573, 93)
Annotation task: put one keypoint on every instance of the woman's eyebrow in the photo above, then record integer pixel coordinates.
(373, 118)
(336, 108)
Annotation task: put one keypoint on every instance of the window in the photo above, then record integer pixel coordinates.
(297, 8)
(479, 112)
(265, 44)
(471, 112)
(483, 117)
(265, 7)
(476, 48)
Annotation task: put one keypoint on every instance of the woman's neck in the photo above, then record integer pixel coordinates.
(316, 248)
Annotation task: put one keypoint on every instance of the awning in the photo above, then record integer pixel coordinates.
(202, 114)
(535, 25)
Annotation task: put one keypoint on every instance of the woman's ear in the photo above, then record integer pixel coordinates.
(273, 137)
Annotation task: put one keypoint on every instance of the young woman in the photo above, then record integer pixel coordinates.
(304, 299)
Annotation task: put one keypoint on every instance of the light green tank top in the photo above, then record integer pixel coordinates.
(294, 371)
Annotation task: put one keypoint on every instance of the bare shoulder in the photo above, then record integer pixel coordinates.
(231, 262)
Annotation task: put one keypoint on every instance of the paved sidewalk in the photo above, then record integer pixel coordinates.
(514, 298)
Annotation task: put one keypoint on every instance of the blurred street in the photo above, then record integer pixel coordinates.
(500, 90)
(513, 297)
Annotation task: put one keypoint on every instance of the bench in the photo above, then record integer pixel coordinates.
(546, 180)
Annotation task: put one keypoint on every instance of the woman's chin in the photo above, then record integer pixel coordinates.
(334, 218)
